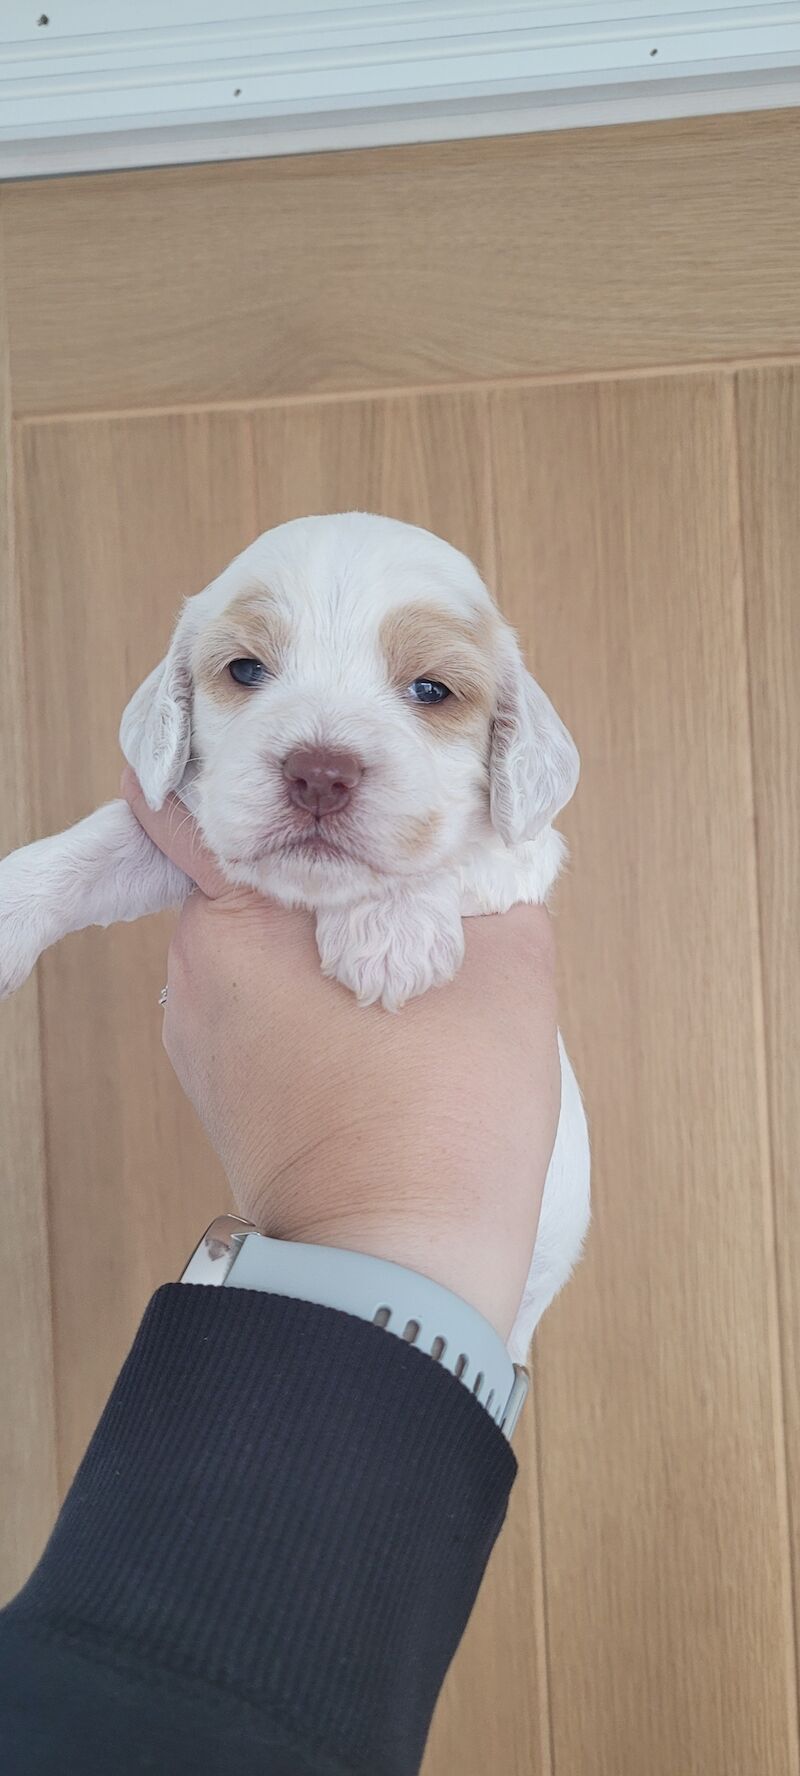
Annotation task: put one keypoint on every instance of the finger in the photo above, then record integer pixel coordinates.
(175, 833)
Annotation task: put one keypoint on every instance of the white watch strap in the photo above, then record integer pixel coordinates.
(414, 1307)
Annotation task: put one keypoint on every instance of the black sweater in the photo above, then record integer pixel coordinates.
(267, 1558)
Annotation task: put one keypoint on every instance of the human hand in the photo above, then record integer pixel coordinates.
(422, 1137)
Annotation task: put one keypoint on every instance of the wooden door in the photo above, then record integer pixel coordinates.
(575, 357)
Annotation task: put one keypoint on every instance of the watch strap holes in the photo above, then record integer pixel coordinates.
(381, 1316)
(411, 1331)
(461, 1365)
(438, 1349)
(478, 1382)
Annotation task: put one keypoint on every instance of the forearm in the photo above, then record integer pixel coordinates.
(267, 1558)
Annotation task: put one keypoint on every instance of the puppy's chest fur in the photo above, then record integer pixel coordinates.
(390, 939)
(496, 877)
(490, 877)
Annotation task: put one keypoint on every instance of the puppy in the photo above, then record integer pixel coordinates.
(347, 716)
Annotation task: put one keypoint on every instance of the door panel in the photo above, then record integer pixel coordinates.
(554, 254)
(424, 459)
(657, 1382)
(769, 433)
(118, 521)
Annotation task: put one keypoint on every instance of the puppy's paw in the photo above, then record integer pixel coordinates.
(391, 950)
(23, 933)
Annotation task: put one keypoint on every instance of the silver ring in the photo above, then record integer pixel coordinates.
(162, 997)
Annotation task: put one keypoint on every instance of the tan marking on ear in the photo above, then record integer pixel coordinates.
(254, 627)
(429, 641)
(417, 834)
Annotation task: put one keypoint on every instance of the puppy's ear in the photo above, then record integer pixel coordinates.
(156, 728)
(534, 763)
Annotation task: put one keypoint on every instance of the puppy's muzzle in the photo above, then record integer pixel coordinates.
(321, 780)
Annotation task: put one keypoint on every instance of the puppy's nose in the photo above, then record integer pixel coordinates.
(320, 779)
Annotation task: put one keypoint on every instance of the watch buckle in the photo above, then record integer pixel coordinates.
(213, 1259)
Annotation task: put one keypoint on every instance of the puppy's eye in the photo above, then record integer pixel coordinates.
(247, 672)
(428, 690)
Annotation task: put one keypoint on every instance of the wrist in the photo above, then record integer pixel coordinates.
(440, 1221)
(471, 1269)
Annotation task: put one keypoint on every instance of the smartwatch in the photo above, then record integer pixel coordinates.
(413, 1307)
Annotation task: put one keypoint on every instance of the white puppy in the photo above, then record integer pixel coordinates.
(347, 716)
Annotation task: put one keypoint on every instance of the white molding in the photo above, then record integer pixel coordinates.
(187, 146)
(159, 86)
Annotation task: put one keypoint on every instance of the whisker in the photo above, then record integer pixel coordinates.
(175, 831)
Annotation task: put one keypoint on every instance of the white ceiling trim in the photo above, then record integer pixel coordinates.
(181, 80)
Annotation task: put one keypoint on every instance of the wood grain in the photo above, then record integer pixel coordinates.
(426, 461)
(589, 250)
(769, 435)
(28, 1451)
(118, 522)
(663, 1489)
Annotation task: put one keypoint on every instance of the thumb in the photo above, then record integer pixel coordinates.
(177, 834)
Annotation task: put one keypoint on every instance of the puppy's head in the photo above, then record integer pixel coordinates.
(349, 702)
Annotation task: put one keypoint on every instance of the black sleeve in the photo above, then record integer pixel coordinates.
(266, 1560)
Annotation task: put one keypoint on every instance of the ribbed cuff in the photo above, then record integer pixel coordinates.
(289, 1504)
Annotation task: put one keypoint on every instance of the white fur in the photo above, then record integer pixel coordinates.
(102, 871)
(389, 912)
